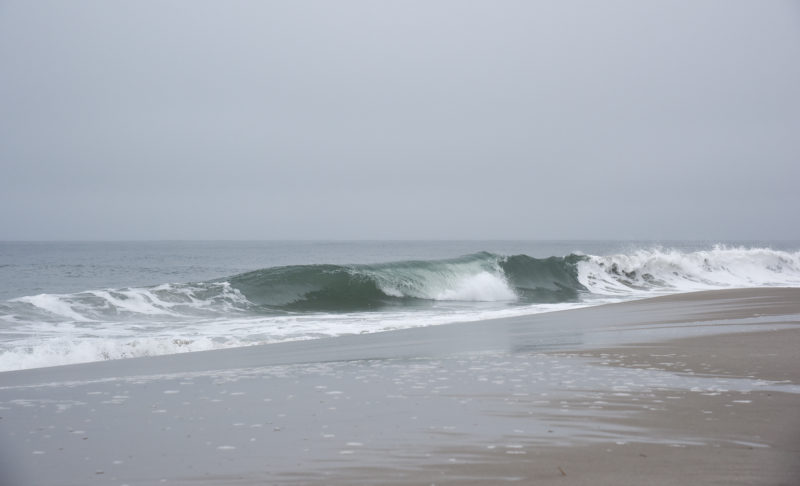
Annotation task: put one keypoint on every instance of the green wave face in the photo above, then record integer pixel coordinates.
(310, 287)
(544, 280)
(478, 277)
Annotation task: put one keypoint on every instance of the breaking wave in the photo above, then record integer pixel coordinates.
(481, 277)
(311, 301)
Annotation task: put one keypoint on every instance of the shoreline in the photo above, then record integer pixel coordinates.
(495, 334)
(675, 299)
(614, 394)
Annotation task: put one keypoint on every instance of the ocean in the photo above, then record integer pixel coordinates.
(75, 302)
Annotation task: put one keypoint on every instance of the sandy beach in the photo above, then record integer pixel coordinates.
(699, 388)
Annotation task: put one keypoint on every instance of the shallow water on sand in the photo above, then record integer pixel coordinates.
(365, 413)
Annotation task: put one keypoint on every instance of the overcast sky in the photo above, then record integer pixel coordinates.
(404, 119)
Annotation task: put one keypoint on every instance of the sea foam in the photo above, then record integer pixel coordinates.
(655, 271)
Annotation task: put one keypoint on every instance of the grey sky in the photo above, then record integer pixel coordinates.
(407, 119)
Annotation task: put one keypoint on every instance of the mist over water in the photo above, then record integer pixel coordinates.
(317, 299)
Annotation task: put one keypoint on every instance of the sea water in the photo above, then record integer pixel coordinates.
(72, 302)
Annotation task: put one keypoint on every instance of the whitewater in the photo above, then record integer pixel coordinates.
(324, 299)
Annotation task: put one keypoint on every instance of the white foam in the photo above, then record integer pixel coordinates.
(134, 301)
(54, 304)
(669, 271)
(169, 300)
(56, 344)
(56, 351)
(481, 287)
(470, 281)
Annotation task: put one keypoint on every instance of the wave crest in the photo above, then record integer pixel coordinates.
(661, 270)
(477, 278)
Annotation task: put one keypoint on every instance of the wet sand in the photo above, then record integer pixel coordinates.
(699, 388)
